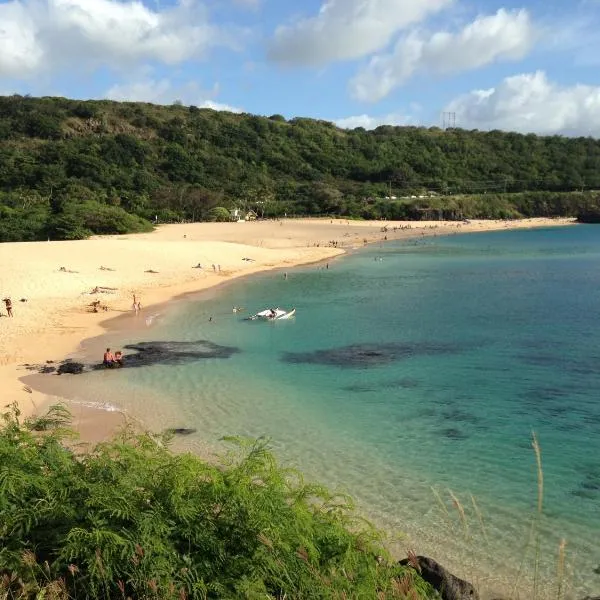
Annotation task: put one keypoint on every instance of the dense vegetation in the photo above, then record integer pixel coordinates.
(70, 168)
(130, 519)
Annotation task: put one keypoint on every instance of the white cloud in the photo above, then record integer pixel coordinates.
(19, 48)
(531, 103)
(163, 91)
(219, 106)
(38, 35)
(507, 35)
(347, 29)
(370, 122)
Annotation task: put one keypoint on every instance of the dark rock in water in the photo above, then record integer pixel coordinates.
(405, 382)
(447, 585)
(71, 367)
(589, 215)
(408, 383)
(147, 354)
(454, 434)
(174, 353)
(367, 355)
(180, 431)
(457, 415)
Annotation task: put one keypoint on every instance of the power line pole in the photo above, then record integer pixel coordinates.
(448, 120)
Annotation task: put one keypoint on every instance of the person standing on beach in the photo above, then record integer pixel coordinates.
(8, 303)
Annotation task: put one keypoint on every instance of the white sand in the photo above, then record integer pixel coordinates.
(56, 316)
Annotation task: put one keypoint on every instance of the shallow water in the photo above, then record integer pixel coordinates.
(410, 366)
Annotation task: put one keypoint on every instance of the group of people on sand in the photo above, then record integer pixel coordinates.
(111, 360)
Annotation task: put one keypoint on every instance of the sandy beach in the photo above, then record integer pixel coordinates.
(53, 284)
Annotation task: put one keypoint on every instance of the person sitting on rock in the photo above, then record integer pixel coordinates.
(119, 358)
(109, 359)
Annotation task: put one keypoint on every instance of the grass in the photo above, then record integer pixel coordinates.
(530, 581)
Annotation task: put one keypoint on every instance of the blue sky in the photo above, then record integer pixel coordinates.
(524, 66)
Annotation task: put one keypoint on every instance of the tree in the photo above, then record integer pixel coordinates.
(219, 214)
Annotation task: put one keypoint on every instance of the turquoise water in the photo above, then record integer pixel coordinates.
(474, 341)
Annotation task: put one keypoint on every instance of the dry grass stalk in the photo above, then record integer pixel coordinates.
(560, 569)
(540, 505)
(479, 517)
(461, 512)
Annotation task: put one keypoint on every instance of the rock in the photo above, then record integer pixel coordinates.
(146, 354)
(590, 215)
(447, 585)
(71, 367)
(369, 355)
(180, 431)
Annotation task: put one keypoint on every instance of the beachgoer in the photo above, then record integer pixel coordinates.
(285, 275)
(273, 313)
(214, 268)
(109, 359)
(8, 303)
(119, 358)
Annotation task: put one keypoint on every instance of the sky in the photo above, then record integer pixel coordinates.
(519, 65)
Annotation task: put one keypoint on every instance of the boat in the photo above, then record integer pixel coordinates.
(273, 314)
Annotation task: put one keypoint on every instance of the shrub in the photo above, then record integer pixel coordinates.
(132, 519)
(219, 214)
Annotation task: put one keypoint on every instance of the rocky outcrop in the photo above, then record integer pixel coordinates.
(447, 585)
(70, 367)
(590, 215)
(180, 431)
(369, 355)
(145, 354)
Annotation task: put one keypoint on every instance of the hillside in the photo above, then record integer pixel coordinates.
(69, 168)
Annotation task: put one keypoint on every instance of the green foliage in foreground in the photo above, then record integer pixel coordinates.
(132, 519)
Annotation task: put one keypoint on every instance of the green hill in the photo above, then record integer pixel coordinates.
(70, 168)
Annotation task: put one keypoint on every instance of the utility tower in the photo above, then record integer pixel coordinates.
(448, 120)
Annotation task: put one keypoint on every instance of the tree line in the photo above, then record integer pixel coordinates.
(71, 168)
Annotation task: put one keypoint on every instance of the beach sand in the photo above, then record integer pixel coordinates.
(56, 316)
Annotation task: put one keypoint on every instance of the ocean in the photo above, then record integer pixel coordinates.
(412, 377)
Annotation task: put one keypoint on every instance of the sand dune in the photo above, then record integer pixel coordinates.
(56, 315)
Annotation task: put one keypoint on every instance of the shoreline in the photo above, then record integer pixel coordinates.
(95, 423)
(64, 322)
